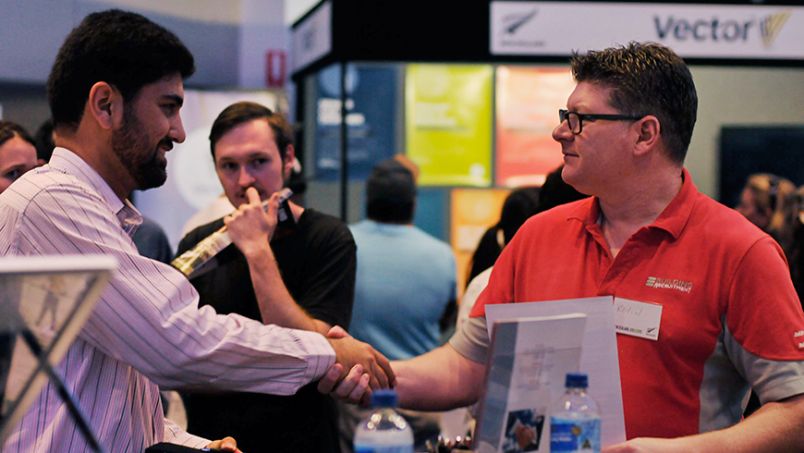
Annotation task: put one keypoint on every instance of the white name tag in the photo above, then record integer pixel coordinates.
(638, 319)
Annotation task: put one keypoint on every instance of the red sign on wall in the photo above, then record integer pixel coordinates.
(276, 68)
(528, 100)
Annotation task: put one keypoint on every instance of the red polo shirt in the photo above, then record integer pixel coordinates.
(730, 318)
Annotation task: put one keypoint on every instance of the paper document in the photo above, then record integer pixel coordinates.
(528, 361)
(598, 357)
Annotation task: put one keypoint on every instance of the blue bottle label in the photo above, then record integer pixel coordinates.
(574, 435)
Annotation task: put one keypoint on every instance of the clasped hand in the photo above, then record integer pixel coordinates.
(359, 368)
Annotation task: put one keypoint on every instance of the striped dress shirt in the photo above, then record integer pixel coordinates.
(146, 331)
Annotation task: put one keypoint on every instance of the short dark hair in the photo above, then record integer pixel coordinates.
(9, 130)
(555, 191)
(518, 207)
(390, 192)
(385, 211)
(44, 140)
(243, 112)
(121, 48)
(646, 79)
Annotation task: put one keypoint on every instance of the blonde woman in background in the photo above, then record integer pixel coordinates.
(796, 258)
(767, 201)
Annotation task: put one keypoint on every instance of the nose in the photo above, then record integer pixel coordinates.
(177, 130)
(562, 132)
(244, 177)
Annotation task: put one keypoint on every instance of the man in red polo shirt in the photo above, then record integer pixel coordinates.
(731, 320)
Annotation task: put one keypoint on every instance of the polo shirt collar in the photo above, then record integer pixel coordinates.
(673, 219)
(675, 216)
(586, 210)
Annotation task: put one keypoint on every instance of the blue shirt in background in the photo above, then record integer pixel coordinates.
(405, 279)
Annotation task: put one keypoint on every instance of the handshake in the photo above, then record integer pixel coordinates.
(358, 369)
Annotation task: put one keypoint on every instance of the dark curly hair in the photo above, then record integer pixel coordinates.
(121, 48)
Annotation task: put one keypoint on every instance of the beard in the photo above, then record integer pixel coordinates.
(143, 160)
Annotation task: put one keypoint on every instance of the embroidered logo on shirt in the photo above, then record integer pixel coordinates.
(669, 283)
(798, 334)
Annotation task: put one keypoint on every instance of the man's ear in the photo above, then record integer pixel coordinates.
(287, 163)
(649, 134)
(105, 105)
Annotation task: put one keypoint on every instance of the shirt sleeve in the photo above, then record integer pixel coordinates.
(148, 316)
(765, 323)
(175, 435)
(472, 339)
(329, 286)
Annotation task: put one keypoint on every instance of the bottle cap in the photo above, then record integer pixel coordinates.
(577, 380)
(383, 398)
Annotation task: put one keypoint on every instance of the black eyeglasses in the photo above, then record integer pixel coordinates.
(576, 119)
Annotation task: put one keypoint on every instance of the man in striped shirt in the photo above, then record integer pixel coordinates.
(115, 92)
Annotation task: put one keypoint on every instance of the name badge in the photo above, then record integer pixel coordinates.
(638, 319)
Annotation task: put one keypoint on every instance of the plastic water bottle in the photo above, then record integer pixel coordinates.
(575, 419)
(384, 430)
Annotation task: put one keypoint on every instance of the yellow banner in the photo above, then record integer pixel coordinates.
(448, 123)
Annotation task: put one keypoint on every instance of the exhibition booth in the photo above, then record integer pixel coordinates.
(471, 93)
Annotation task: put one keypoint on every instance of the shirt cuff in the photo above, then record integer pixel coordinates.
(322, 355)
(176, 435)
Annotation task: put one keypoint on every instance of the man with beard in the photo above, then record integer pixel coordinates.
(310, 263)
(115, 92)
